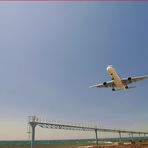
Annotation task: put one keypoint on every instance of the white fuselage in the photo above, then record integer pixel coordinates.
(115, 77)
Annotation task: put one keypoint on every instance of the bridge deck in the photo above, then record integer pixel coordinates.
(83, 128)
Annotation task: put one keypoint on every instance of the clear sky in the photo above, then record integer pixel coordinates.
(51, 52)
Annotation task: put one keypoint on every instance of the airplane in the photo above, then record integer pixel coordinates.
(117, 82)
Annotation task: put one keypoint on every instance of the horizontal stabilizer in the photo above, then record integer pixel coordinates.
(131, 87)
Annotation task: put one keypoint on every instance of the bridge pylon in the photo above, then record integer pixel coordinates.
(33, 123)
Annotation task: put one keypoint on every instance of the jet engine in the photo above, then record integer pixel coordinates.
(129, 78)
(105, 84)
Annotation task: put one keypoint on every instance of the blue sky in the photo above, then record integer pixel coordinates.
(51, 52)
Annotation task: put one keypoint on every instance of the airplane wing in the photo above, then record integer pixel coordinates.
(129, 80)
(104, 85)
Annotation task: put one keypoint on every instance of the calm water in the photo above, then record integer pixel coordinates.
(62, 142)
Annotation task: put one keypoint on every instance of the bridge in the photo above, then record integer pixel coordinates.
(33, 122)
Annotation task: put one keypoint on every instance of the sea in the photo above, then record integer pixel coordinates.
(74, 142)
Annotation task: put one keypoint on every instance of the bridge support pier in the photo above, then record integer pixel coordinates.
(96, 136)
(120, 138)
(33, 125)
(139, 136)
(132, 136)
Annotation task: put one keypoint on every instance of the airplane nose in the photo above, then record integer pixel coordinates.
(109, 67)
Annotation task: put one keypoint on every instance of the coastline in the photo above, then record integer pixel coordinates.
(114, 145)
(127, 144)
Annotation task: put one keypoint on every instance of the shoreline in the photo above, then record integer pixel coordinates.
(127, 144)
(114, 145)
